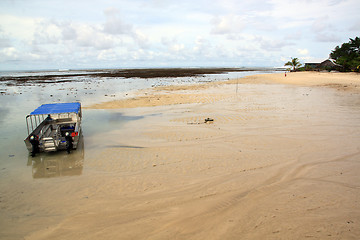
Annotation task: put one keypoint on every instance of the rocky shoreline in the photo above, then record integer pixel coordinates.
(120, 73)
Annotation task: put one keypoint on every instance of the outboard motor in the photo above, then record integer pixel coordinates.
(69, 142)
(35, 145)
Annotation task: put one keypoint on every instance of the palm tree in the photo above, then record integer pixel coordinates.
(294, 63)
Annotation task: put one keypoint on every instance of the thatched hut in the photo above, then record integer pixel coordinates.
(329, 64)
(311, 66)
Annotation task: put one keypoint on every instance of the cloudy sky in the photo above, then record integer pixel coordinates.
(58, 34)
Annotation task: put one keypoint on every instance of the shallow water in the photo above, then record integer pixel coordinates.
(19, 100)
(43, 191)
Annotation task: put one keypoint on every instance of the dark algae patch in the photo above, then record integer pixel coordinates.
(120, 73)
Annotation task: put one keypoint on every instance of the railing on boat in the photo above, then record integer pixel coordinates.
(37, 120)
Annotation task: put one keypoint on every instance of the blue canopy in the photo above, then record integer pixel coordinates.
(55, 108)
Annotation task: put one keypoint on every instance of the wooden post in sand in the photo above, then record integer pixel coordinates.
(237, 82)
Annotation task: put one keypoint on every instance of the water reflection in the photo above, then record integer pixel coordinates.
(3, 113)
(97, 121)
(58, 164)
(118, 116)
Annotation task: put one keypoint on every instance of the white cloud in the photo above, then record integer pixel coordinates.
(272, 44)
(321, 24)
(107, 55)
(115, 25)
(168, 32)
(303, 51)
(227, 24)
(201, 45)
(90, 36)
(9, 53)
(68, 31)
(177, 47)
(297, 35)
(355, 26)
(4, 40)
(47, 32)
(111, 11)
(327, 37)
(141, 39)
(18, 27)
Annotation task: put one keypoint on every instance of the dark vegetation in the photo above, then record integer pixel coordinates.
(124, 73)
(348, 55)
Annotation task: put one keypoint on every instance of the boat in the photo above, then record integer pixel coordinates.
(53, 127)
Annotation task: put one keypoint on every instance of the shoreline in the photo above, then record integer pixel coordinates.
(338, 80)
(279, 161)
(175, 94)
(143, 73)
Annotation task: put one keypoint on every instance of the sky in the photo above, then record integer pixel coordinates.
(82, 34)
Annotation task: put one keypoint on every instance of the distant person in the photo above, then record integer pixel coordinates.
(48, 118)
(35, 145)
(69, 142)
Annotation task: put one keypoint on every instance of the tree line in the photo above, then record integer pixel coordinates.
(347, 55)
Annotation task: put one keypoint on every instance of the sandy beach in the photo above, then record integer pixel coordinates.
(178, 95)
(280, 160)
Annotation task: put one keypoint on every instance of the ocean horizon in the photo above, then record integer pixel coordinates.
(34, 70)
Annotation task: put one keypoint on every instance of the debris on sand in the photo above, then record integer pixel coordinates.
(209, 120)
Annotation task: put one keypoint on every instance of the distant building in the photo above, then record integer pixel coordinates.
(311, 66)
(328, 64)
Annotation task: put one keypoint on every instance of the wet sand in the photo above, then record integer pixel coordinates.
(279, 161)
(170, 95)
